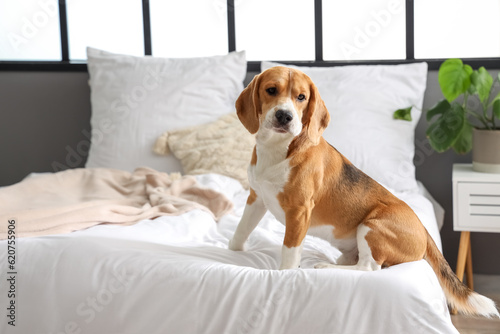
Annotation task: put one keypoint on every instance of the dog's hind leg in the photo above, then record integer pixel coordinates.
(366, 262)
(253, 213)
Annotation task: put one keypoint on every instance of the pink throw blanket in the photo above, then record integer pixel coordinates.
(76, 199)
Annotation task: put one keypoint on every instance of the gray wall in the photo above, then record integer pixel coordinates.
(43, 119)
(44, 126)
(435, 172)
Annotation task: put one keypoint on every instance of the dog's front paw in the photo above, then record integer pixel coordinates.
(286, 267)
(323, 265)
(235, 246)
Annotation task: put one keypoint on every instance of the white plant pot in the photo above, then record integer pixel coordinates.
(486, 151)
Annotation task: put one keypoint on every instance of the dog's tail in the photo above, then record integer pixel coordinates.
(458, 295)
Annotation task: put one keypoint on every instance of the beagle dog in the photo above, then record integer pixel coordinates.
(313, 189)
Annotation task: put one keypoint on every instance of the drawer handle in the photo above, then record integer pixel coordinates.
(483, 195)
(485, 214)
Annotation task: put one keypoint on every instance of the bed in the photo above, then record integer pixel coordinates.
(174, 273)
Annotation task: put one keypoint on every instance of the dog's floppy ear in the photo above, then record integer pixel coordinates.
(248, 106)
(316, 117)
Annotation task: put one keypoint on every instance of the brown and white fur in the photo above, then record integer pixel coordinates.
(311, 188)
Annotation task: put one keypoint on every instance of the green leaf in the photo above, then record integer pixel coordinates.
(496, 107)
(440, 108)
(447, 127)
(481, 81)
(454, 78)
(463, 143)
(403, 114)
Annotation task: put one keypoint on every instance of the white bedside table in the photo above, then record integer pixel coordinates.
(476, 208)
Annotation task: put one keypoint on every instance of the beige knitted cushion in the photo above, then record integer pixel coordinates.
(223, 147)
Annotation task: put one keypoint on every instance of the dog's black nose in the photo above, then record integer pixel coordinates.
(284, 117)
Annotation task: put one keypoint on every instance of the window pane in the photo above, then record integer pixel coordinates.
(194, 28)
(111, 25)
(364, 29)
(275, 29)
(457, 28)
(30, 30)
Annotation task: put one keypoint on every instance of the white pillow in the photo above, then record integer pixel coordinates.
(135, 99)
(361, 100)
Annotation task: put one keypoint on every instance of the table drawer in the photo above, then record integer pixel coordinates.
(478, 207)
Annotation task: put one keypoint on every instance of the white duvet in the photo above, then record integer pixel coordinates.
(176, 275)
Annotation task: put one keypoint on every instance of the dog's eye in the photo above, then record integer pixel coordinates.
(271, 91)
(301, 97)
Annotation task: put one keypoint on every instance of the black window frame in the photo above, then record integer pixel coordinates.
(65, 64)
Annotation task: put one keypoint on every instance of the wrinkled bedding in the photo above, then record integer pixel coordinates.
(174, 274)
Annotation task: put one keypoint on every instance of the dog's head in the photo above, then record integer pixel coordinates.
(283, 101)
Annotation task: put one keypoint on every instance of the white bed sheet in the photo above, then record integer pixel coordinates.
(176, 275)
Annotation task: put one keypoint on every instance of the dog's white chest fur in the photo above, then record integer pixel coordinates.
(269, 176)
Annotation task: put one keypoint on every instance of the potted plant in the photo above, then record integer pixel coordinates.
(457, 122)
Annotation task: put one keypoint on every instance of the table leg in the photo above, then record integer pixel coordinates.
(468, 268)
(463, 249)
(463, 252)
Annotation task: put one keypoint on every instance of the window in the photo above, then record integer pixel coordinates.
(457, 28)
(179, 31)
(275, 30)
(29, 30)
(54, 34)
(112, 25)
(364, 29)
